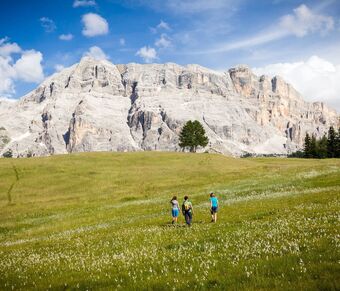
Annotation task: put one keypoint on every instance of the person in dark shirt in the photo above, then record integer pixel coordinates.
(187, 210)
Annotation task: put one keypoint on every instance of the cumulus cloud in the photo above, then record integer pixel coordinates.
(304, 21)
(122, 41)
(48, 24)
(27, 68)
(316, 79)
(96, 53)
(66, 37)
(59, 67)
(161, 26)
(84, 3)
(7, 75)
(7, 100)
(6, 49)
(148, 54)
(164, 41)
(94, 25)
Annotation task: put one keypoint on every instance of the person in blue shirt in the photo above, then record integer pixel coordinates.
(213, 207)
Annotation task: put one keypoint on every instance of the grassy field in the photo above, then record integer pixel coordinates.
(102, 221)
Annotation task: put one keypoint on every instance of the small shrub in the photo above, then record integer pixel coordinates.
(8, 154)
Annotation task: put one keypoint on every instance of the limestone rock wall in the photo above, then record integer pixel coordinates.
(99, 106)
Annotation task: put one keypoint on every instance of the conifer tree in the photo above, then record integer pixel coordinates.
(337, 144)
(8, 154)
(331, 143)
(193, 136)
(313, 147)
(306, 147)
(321, 147)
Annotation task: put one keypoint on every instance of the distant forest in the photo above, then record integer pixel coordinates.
(326, 147)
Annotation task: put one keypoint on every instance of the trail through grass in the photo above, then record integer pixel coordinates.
(102, 221)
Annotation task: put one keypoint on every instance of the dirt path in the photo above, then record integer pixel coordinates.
(9, 191)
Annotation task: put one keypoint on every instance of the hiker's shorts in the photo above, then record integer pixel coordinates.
(214, 210)
(175, 212)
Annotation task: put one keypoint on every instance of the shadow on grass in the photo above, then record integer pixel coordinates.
(183, 224)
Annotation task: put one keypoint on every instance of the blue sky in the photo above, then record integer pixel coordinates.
(283, 37)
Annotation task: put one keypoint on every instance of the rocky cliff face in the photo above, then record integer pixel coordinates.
(98, 106)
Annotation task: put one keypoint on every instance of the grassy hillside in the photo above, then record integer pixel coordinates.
(102, 220)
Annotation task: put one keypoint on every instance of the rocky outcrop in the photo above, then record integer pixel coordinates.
(98, 106)
(4, 138)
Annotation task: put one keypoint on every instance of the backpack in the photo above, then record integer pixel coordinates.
(187, 206)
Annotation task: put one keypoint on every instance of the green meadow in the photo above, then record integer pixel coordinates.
(103, 221)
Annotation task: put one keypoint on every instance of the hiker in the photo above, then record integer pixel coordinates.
(175, 209)
(187, 210)
(213, 207)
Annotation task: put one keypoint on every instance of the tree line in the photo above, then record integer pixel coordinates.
(326, 147)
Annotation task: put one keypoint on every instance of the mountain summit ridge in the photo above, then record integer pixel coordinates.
(95, 105)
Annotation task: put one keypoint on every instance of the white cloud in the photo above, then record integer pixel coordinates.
(316, 79)
(301, 22)
(304, 21)
(148, 54)
(122, 41)
(84, 3)
(3, 40)
(7, 75)
(48, 24)
(188, 6)
(27, 68)
(164, 41)
(6, 49)
(198, 6)
(8, 100)
(255, 40)
(94, 25)
(163, 25)
(66, 37)
(96, 53)
(59, 67)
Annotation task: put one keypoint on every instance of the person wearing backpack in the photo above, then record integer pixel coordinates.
(214, 207)
(174, 209)
(187, 210)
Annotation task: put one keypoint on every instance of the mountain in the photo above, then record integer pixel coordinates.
(98, 106)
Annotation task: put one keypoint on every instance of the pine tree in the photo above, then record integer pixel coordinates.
(313, 147)
(306, 148)
(193, 136)
(8, 154)
(321, 147)
(337, 144)
(331, 142)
